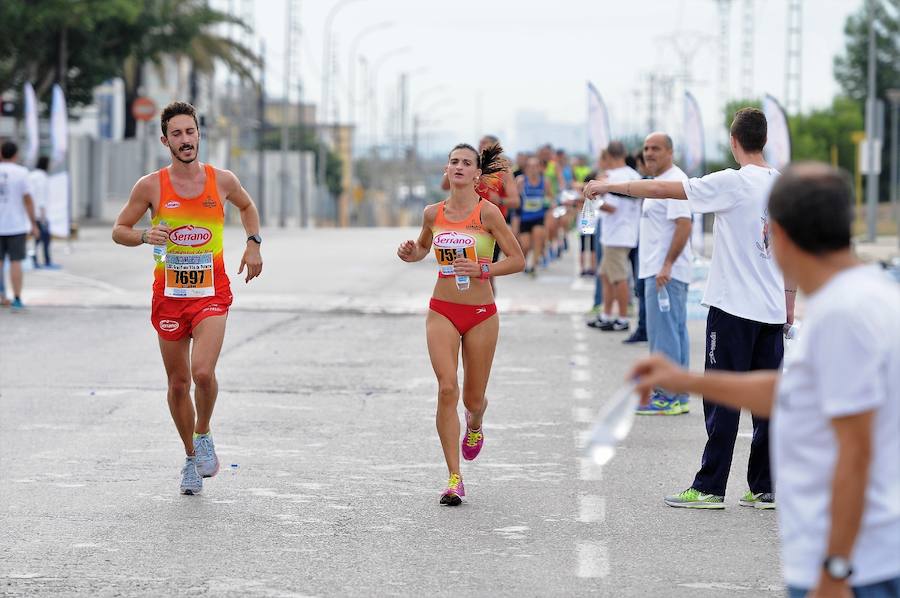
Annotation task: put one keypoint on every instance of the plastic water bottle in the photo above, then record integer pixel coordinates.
(589, 217)
(462, 282)
(234, 468)
(791, 330)
(159, 251)
(612, 425)
(663, 298)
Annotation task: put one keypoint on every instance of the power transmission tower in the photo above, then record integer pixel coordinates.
(793, 58)
(724, 57)
(747, 49)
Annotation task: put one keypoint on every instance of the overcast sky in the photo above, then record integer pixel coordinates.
(496, 58)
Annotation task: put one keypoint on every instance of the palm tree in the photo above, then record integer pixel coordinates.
(183, 29)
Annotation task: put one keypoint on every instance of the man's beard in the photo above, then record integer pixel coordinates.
(185, 146)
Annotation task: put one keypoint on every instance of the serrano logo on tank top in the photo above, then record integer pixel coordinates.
(190, 236)
(453, 240)
(172, 205)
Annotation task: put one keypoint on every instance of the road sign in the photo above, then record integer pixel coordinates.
(143, 108)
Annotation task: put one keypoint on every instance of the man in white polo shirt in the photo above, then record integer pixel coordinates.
(836, 408)
(16, 217)
(748, 301)
(664, 256)
(620, 223)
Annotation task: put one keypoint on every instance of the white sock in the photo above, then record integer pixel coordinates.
(605, 317)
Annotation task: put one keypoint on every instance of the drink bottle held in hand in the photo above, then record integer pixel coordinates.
(588, 221)
(612, 425)
(663, 298)
(159, 251)
(462, 281)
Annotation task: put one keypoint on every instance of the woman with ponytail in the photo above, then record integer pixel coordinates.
(463, 230)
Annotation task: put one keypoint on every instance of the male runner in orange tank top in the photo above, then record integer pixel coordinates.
(191, 291)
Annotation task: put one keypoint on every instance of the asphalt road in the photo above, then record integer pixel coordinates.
(326, 408)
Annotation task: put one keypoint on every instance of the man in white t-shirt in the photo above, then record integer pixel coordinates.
(16, 217)
(748, 298)
(620, 223)
(836, 408)
(40, 193)
(664, 256)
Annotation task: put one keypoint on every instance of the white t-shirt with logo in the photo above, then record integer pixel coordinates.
(14, 186)
(744, 279)
(620, 228)
(845, 361)
(657, 229)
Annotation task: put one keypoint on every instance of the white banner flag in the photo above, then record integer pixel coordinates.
(58, 204)
(598, 123)
(59, 127)
(32, 134)
(778, 144)
(692, 145)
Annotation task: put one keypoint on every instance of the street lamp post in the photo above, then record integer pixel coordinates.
(373, 88)
(351, 70)
(871, 110)
(893, 96)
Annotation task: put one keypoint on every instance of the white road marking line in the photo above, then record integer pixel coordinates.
(580, 360)
(582, 415)
(581, 394)
(581, 347)
(593, 560)
(592, 509)
(581, 375)
(587, 471)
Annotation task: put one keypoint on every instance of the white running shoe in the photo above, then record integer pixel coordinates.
(191, 482)
(205, 452)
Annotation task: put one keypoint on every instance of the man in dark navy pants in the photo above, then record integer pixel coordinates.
(748, 299)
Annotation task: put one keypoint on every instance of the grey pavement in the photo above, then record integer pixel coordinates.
(327, 408)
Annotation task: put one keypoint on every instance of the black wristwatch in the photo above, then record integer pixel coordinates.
(255, 238)
(837, 567)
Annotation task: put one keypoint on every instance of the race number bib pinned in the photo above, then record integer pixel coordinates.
(189, 275)
(451, 245)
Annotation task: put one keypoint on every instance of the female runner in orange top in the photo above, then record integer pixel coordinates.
(463, 229)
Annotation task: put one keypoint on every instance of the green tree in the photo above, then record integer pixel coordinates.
(814, 134)
(181, 28)
(851, 67)
(78, 44)
(81, 43)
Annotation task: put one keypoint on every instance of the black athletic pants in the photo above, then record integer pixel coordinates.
(737, 345)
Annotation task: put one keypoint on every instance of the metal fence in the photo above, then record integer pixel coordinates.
(103, 173)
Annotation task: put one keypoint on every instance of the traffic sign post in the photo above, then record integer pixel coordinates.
(143, 108)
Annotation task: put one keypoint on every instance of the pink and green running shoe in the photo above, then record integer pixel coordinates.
(452, 496)
(472, 441)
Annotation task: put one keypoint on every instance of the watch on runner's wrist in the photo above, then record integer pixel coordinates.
(255, 238)
(485, 271)
(837, 567)
(144, 236)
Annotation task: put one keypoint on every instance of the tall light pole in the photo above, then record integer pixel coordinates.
(351, 70)
(323, 108)
(373, 87)
(893, 96)
(871, 110)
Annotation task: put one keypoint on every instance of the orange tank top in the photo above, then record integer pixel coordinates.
(194, 266)
(450, 237)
